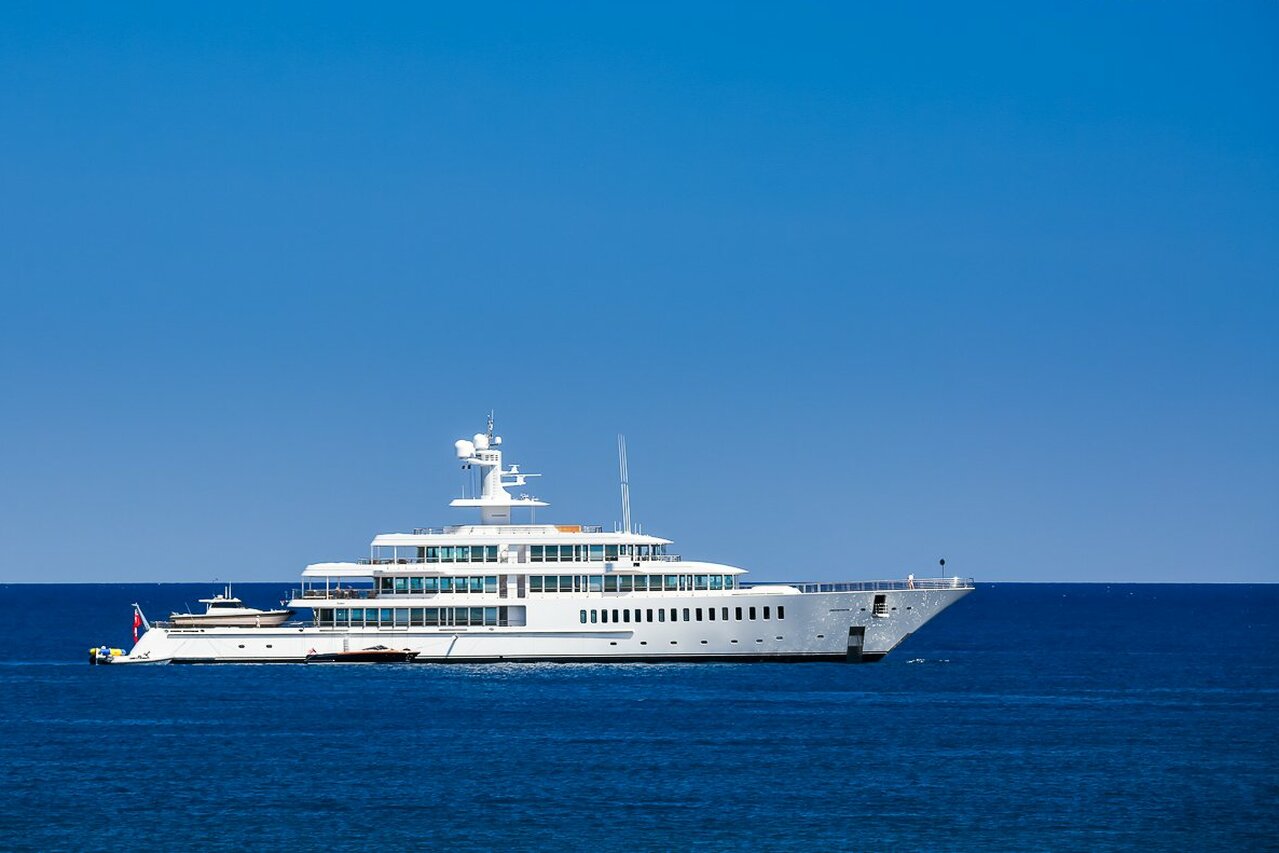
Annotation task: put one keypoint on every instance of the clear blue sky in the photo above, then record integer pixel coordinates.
(864, 286)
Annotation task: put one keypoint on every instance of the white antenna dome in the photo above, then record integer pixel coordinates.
(497, 439)
(481, 441)
(465, 449)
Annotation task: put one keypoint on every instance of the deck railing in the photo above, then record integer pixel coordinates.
(868, 586)
(337, 594)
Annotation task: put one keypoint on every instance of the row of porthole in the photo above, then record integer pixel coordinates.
(703, 642)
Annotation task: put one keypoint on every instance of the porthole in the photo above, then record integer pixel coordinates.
(732, 641)
(241, 645)
(674, 642)
(269, 646)
(613, 643)
(779, 638)
(643, 642)
(703, 642)
(759, 641)
(821, 636)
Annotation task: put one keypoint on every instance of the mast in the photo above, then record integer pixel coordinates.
(624, 476)
(495, 502)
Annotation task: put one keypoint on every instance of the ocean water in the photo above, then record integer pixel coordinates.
(1027, 717)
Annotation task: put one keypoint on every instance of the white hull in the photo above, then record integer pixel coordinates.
(817, 626)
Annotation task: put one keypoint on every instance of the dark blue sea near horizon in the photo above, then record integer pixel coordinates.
(1027, 717)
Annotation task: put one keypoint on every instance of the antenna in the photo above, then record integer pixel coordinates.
(624, 474)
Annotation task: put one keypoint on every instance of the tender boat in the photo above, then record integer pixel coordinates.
(373, 654)
(227, 611)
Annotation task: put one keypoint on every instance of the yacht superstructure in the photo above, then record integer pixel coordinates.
(501, 591)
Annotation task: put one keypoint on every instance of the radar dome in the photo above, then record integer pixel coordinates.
(465, 449)
(481, 441)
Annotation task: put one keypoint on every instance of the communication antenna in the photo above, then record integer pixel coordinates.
(624, 474)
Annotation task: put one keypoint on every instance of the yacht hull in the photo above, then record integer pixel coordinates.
(841, 626)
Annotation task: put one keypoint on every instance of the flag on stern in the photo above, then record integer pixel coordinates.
(137, 622)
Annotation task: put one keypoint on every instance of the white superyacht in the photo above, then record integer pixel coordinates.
(501, 591)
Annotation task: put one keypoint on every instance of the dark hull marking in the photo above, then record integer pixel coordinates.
(867, 657)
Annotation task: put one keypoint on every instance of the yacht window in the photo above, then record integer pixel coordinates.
(604, 616)
(610, 583)
(626, 615)
(641, 583)
(624, 583)
(739, 614)
(415, 584)
(535, 583)
(324, 617)
(674, 615)
(597, 553)
(552, 554)
(431, 584)
(702, 582)
(752, 613)
(597, 583)
(581, 614)
(385, 615)
(446, 584)
(781, 611)
(639, 615)
(385, 584)
(477, 615)
(610, 553)
(490, 553)
(595, 615)
(650, 615)
(446, 553)
(672, 582)
(490, 583)
(699, 614)
(765, 612)
(717, 581)
(566, 583)
(566, 553)
(432, 553)
(432, 616)
(615, 619)
(686, 619)
(661, 615)
(710, 613)
(724, 613)
(655, 583)
(644, 552)
(535, 554)
(490, 615)
(415, 616)
(463, 553)
(477, 584)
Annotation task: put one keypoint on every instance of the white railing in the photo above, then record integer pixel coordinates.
(869, 586)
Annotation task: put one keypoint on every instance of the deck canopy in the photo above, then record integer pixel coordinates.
(338, 570)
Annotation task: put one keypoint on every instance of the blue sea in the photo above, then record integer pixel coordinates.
(1026, 717)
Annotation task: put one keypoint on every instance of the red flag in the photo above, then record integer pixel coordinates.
(137, 623)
